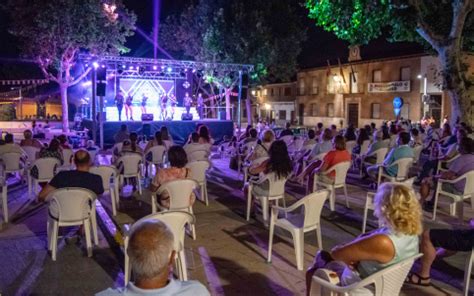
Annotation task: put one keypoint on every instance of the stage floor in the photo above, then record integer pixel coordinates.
(179, 130)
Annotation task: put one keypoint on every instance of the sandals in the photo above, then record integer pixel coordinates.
(410, 280)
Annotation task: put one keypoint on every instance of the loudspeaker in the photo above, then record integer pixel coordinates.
(147, 117)
(101, 74)
(100, 89)
(186, 116)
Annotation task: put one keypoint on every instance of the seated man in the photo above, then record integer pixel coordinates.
(29, 141)
(461, 165)
(10, 146)
(403, 150)
(252, 136)
(195, 146)
(449, 241)
(77, 178)
(287, 131)
(151, 254)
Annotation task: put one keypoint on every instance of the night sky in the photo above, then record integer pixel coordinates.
(319, 46)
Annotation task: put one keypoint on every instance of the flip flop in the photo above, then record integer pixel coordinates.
(409, 280)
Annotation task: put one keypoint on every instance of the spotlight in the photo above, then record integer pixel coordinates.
(95, 64)
(123, 66)
(103, 66)
(131, 67)
(87, 65)
(194, 71)
(169, 69)
(87, 83)
(162, 67)
(185, 69)
(419, 76)
(155, 67)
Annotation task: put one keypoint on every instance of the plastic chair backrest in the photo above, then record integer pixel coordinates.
(320, 156)
(106, 173)
(380, 155)
(31, 152)
(287, 139)
(70, 204)
(197, 170)
(298, 144)
(417, 152)
(276, 187)
(350, 145)
(341, 170)
(313, 205)
(179, 192)
(130, 162)
(393, 141)
(175, 220)
(68, 155)
(403, 166)
(364, 147)
(117, 148)
(469, 186)
(259, 160)
(46, 167)
(11, 160)
(157, 154)
(198, 155)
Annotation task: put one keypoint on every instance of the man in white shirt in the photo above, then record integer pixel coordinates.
(195, 146)
(10, 146)
(151, 255)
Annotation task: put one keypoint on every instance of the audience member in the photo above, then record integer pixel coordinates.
(349, 134)
(319, 129)
(262, 148)
(195, 145)
(166, 137)
(361, 138)
(131, 145)
(52, 150)
(311, 138)
(63, 143)
(334, 130)
(122, 134)
(10, 146)
(204, 136)
(287, 131)
(252, 136)
(156, 141)
(29, 141)
(151, 254)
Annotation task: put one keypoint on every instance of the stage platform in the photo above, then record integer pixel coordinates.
(179, 130)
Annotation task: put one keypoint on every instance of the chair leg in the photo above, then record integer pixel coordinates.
(29, 186)
(203, 199)
(112, 200)
(270, 240)
(139, 183)
(332, 199)
(249, 202)
(93, 221)
(467, 273)
(5, 203)
(347, 198)
(298, 241)
(206, 196)
(319, 237)
(264, 203)
(193, 226)
(364, 221)
(127, 269)
(182, 263)
(54, 240)
(153, 203)
(87, 233)
(49, 232)
(435, 206)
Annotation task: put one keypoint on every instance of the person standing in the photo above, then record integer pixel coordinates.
(187, 101)
(128, 107)
(173, 102)
(200, 106)
(144, 101)
(164, 104)
(119, 99)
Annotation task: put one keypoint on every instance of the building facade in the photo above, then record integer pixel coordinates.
(276, 101)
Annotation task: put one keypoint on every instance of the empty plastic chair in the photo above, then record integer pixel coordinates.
(197, 172)
(46, 168)
(276, 191)
(340, 170)
(109, 175)
(129, 166)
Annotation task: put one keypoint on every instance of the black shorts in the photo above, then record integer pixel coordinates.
(453, 240)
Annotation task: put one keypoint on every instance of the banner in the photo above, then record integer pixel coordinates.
(393, 86)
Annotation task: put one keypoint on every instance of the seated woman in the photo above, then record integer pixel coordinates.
(400, 215)
(156, 141)
(311, 138)
(323, 146)
(177, 170)
(376, 145)
(263, 146)
(53, 150)
(131, 146)
(204, 135)
(279, 162)
(166, 137)
(361, 138)
(337, 155)
(29, 141)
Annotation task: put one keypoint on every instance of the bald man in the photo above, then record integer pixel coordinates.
(75, 178)
(151, 254)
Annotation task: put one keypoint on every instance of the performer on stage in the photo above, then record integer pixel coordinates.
(144, 100)
(128, 107)
(173, 102)
(187, 101)
(119, 103)
(163, 105)
(200, 106)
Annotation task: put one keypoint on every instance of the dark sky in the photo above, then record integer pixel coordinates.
(319, 47)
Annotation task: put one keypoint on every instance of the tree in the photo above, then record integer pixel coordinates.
(54, 32)
(267, 34)
(445, 27)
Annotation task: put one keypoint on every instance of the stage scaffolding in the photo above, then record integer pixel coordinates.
(161, 69)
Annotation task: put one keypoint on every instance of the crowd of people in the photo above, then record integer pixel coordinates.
(296, 158)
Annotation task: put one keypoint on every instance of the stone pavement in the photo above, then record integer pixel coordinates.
(228, 256)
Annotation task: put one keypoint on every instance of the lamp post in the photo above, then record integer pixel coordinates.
(425, 97)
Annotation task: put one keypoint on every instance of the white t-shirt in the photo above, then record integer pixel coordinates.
(174, 287)
(9, 148)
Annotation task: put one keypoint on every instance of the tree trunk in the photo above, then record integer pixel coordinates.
(228, 115)
(64, 106)
(454, 83)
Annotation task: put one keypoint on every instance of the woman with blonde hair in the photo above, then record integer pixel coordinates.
(263, 145)
(399, 214)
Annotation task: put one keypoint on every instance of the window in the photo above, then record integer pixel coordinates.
(405, 112)
(405, 73)
(354, 82)
(282, 114)
(272, 92)
(330, 110)
(314, 109)
(377, 76)
(265, 92)
(287, 91)
(301, 87)
(314, 86)
(375, 110)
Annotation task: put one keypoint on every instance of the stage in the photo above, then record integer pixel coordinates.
(179, 130)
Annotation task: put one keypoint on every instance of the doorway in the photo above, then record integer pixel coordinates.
(353, 114)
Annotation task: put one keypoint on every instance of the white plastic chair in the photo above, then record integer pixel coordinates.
(379, 155)
(130, 167)
(468, 192)
(467, 273)
(4, 197)
(350, 145)
(157, 157)
(298, 225)
(197, 172)
(198, 155)
(369, 202)
(179, 192)
(46, 170)
(276, 191)
(70, 207)
(445, 163)
(176, 221)
(364, 147)
(31, 153)
(243, 152)
(13, 163)
(109, 175)
(287, 139)
(341, 170)
(68, 156)
(403, 167)
(387, 281)
(417, 153)
(253, 163)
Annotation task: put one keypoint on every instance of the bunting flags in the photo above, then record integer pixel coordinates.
(354, 80)
(340, 71)
(23, 82)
